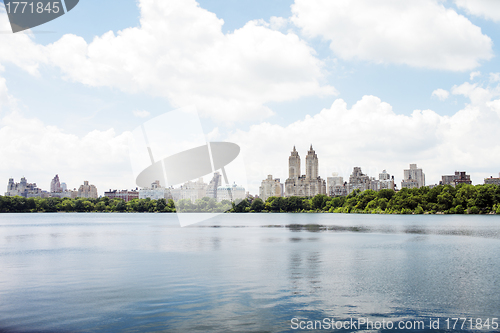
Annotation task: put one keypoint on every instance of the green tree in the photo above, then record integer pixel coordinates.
(257, 205)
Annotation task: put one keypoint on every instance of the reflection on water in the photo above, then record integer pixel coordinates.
(242, 272)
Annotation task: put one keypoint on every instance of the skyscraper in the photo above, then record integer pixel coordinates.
(311, 164)
(307, 185)
(413, 177)
(55, 185)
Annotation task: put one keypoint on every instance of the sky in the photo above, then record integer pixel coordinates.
(375, 84)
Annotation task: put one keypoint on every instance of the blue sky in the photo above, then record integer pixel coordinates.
(260, 79)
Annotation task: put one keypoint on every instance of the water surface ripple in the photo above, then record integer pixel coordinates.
(243, 272)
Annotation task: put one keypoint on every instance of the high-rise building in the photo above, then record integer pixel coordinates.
(358, 181)
(294, 165)
(413, 177)
(211, 191)
(24, 189)
(386, 181)
(311, 164)
(270, 188)
(55, 185)
(87, 191)
(307, 185)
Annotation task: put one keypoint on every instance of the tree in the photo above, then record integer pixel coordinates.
(241, 206)
(257, 205)
(319, 201)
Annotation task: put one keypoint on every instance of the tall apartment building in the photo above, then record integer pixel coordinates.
(413, 177)
(211, 191)
(358, 181)
(270, 188)
(55, 185)
(307, 185)
(24, 189)
(386, 181)
(87, 191)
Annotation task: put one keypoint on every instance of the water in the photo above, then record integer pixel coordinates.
(243, 272)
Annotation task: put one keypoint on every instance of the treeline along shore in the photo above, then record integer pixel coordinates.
(462, 199)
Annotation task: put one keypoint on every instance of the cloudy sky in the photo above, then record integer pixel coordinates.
(376, 84)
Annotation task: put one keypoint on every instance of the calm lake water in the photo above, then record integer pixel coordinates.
(235, 273)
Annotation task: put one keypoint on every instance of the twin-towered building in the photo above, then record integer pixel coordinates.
(311, 184)
(307, 185)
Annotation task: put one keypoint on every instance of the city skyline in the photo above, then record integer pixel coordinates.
(276, 180)
(267, 74)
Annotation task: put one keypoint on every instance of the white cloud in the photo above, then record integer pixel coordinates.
(371, 135)
(477, 94)
(416, 33)
(7, 101)
(38, 151)
(441, 94)
(474, 74)
(141, 113)
(19, 48)
(489, 9)
(494, 77)
(179, 52)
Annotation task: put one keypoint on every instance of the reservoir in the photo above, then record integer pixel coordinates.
(245, 272)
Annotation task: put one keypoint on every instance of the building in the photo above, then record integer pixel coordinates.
(335, 186)
(55, 185)
(386, 181)
(87, 191)
(232, 193)
(24, 189)
(211, 191)
(359, 181)
(491, 180)
(460, 177)
(155, 192)
(123, 194)
(190, 190)
(413, 177)
(307, 185)
(64, 194)
(270, 188)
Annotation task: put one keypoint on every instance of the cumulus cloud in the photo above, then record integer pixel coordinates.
(416, 33)
(179, 52)
(39, 151)
(441, 94)
(371, 135)
(488, 9)
(20, 49)
(141, 113)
